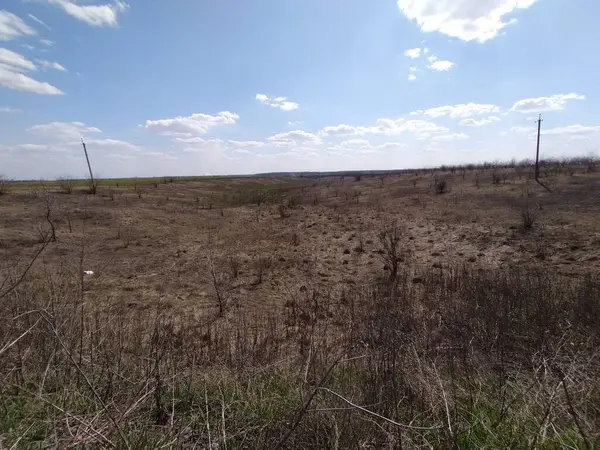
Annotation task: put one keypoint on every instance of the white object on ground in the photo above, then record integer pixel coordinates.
(88, 272)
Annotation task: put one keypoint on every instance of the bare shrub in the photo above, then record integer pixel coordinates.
(4, 186)
(496, 178)
(529, 214)
(389, 239)
(281, 209)
(295, 241)
(261, 265)
(92, 185)
(441, 186)
(218, 283)
(66, 185)
(234, 265)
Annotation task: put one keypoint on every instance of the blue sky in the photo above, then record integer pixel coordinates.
(239, 86)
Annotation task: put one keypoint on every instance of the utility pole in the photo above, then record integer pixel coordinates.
(93, 186)
(537, 153)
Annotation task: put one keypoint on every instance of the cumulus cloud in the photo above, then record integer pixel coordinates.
(479, 122)
(387, 127)
(459, 111)
(468, 20)
(441, 65)
(542, 104)
(296, 137)
(246, 144)
(413, 53)
(344, 130)
(412, 77)
(277, 102)
(12, 26)
(572, 130)
(12, 68)
(63, 131)
(104, 15)
(191, 125)
(363, 146)
(450, 137)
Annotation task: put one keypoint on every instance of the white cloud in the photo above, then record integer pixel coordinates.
(12, 66)
(522, 129)
(277, 102)
(450, 137)
(459, 111)
(113, 145)
(28, 47)
(14, 61)
(387, 127)
(572, 130)
(63, 131)
(96, 15)
(47, 42)
(31, 16)
(344, 130)
(198, 144)
(12, 27)
(441, 65)
(412, 77)
(419, 128)
(468, 20)
(191, 125)
(413, 53)
(51, 65)
(479, 122)
(296, 137)
(363, 146)
(412, 69)
(13, 79)
(7, 109)
(246, 144)
(541, 104)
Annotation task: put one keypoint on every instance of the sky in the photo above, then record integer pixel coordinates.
(206, 87)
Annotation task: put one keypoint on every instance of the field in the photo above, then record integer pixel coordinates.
(439, 308)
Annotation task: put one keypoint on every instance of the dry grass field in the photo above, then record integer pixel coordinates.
(447, 308)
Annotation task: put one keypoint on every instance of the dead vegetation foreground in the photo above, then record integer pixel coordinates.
(363, 312)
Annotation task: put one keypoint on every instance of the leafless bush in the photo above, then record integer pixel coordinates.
(496, 178)
(389, 239)
(49, 206)
(4, 186)
(92, 185)
(295, 241)
(281, 209)
(441, 186)
(261, 265)
(234, 265)
(529, 214)
(66, 185)
(218, 282)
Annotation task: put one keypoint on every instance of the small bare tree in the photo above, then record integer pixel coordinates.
(441, 186)
(4, 185)
(390, 253)
(48, 218)
(66, 185)
(217, 282)
(261, 265)
(529, 215)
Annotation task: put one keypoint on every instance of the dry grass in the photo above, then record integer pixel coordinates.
(220, 325)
